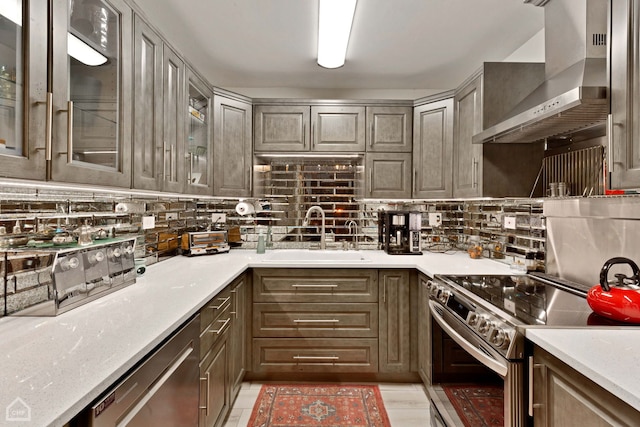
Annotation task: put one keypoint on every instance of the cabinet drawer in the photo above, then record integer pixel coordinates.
(214, 309)
(315, 320)
(315, 355)
(315, 285)
(215, 330)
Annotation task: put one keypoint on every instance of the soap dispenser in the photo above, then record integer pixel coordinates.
(261, 243)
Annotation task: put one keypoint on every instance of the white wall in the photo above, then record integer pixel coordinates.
(530, 51)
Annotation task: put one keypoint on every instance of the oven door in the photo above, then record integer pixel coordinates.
(468, 340)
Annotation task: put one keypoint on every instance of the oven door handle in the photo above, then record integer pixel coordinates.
(497, 366)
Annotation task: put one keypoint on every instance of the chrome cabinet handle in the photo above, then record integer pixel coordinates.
(371, 136)
(533, 366)
(316, 357)
(474, 179)
(235, 304)
(415, 180)
(189, 158)
(206, 401)
(313, 286)
(384, 292)
(69, 112)
(48, 127)
(316, 321)
(224, 301)
(224, 325)
(370, 181)
(172, 153)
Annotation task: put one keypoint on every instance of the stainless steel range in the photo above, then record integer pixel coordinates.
(486, 315)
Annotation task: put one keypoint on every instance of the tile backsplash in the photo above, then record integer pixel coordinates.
(508, 230)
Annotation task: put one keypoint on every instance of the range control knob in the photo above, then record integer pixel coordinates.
(500, 338)
(472, 319)
(484, 324)
(435, 290)
(128, 250)
(443, 296)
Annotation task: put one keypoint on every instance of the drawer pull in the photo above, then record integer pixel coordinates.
(206, 401)
(224, 325)
(313, 286)
(316, 357)
(224, 301)
(316, 321)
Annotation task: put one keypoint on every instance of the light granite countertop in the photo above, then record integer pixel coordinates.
(56, 366)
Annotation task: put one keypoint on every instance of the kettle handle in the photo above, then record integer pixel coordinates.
(604, 273)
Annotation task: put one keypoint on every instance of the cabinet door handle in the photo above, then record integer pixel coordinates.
(207, 375)
(316, 357)
(532, 366)
(69, 112)
(224, 301)
(316, 321)
(48, 131)
(415, 179)
(172, 154)
(610, 162)
(371, 136)
(371, 181)
(384, 292)
(235, 304)
(190, 159)
(304, 135)
(222, 328)
(297, 285)
(474, 179)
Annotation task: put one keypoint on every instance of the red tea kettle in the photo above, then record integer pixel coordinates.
(619, 302)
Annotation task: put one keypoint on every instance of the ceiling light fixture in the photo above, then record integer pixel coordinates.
(83, 52)
(334, 28)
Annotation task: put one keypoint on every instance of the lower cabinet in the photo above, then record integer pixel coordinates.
(222, 352)
(326, 321)
(564, 397)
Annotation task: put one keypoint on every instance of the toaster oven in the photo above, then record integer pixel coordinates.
(204, 242)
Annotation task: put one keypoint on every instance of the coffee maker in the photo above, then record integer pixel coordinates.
(399, 232)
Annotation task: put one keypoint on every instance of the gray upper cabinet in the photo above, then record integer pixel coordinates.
(467, 157)
(232, 147)
(432, 149)
(280, 128)
(23, 141)
(338, 128)
(388, 175)
(76, 126)
(624, 158)
(199, 135)
(91, 104)
(147, 111)
(173, 153)
(389, 129)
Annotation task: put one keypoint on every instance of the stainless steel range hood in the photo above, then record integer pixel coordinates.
(574, 95)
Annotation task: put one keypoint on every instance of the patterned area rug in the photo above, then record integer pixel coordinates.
(306, 405)
(478, 406)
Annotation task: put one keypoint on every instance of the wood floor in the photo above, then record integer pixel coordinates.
(406, 404)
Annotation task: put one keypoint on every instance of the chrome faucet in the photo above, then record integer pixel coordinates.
(319, 210)
(354, 232)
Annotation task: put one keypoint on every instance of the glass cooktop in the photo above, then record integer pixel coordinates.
(533, 300)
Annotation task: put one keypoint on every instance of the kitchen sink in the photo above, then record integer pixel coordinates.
(315, 256)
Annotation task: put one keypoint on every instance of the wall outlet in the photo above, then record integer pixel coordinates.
(435, 219)
(171, 216)
(510, 222)
(148, 222)
(218, 218)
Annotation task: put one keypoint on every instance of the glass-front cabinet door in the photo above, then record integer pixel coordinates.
(91, 83)
(23, 97)
(199, 136)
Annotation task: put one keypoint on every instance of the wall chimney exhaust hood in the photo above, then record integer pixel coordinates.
(574, 96)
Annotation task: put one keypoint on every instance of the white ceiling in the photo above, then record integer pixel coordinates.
(402, 45)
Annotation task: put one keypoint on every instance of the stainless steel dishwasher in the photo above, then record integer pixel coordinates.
(162, 391)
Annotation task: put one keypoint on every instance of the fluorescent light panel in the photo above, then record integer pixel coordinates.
(334, 28)
(83, 52)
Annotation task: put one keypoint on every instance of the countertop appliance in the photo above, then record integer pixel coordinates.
(399, 232)
(204, 242)
(163, 390)
(47, 279)
(486, 316)
(619, 301)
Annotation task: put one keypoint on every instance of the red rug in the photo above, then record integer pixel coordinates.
(477, 406)
(306, 405)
